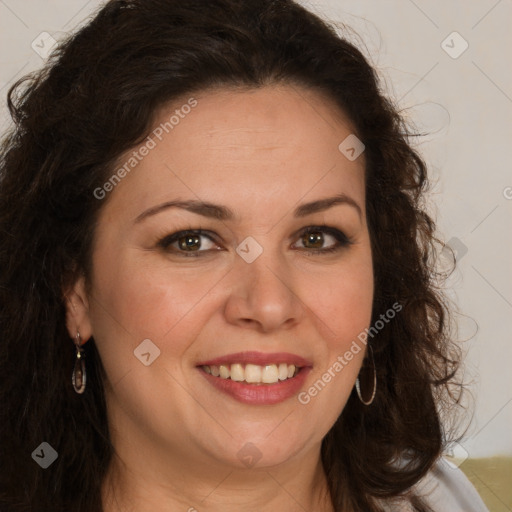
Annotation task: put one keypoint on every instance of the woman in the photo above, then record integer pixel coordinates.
(217, 280)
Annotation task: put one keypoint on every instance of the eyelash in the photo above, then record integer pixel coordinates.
(343, 241)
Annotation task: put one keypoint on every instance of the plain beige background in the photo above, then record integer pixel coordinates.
(447, 64)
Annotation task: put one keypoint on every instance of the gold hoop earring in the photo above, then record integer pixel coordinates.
(79, 377)
(358, 385)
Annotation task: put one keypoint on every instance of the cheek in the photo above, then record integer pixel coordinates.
(342, 307)
(343, 311)
(137, 301)
(136, 295)
(342, 301)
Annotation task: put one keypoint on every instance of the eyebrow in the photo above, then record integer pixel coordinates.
(223, 213)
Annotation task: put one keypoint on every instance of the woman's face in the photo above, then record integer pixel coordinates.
(252, 293)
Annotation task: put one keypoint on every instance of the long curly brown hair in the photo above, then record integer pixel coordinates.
(95, 98)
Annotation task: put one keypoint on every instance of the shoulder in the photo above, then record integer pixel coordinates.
(445, 488)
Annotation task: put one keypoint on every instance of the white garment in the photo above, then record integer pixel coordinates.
(446, 489)
(450, 490)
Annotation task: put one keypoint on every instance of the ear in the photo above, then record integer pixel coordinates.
(77, 310)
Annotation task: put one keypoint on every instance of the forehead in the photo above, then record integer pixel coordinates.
(274, 144)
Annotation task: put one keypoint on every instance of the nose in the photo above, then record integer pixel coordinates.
(264, 294)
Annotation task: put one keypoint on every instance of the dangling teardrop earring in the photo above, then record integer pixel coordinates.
(372, 380)
(79, 376)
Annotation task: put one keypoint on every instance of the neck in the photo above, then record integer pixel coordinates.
(152, 485)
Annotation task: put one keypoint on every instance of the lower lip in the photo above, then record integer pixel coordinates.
(259, 394)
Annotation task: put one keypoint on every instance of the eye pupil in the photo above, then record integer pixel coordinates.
(314, 238)
(189, 242)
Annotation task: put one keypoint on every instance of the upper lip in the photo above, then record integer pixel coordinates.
(258, 358)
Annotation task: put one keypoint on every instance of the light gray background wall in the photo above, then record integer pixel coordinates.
(462, 97)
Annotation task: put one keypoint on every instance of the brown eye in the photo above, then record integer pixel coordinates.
(314, 237)
(195, 242)
(191, 242)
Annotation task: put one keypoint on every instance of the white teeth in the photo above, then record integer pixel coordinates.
(283, 371)
(224, 372)
(253, 373)
(237, 372)
(269, 375)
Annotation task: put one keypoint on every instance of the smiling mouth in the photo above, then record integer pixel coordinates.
(253, 373)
